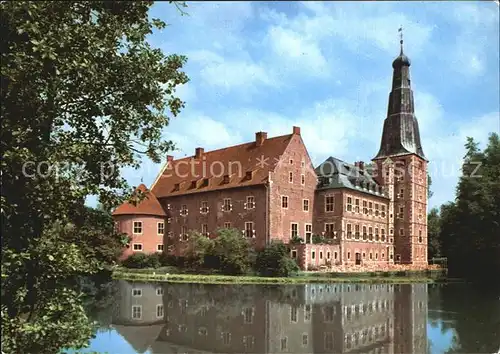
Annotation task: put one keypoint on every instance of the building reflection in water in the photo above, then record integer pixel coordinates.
(314, 318)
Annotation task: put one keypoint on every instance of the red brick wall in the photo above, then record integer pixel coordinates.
(323, 254)
(281, 219)
(149, 237)
(216, 218)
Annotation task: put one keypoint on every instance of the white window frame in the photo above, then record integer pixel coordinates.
(139, 244)
(158, 247)
(204, 208)
(296, 314)
(250, 204)
(251, 230)
(184, 235)
(184, 211)
(291, 229)
(227, 225)
(139, 292)
(348, 206)
(287, 200)
(306, 233)
(159, 291)
(133, 227)
(332, 226)
(227, 205)
(326, 203)
(304, 205)
(158, 228)
(140, 312)
(204, 232)
(245, 318)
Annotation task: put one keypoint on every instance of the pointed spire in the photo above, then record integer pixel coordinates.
(400, 134)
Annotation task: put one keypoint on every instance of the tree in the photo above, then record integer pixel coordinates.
(198, 248)
(434, 233)
(83, 96)
(234, 251)
(274, 260)
(429, 184)
(470, 227)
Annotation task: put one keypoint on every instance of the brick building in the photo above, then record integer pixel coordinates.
(371, 215)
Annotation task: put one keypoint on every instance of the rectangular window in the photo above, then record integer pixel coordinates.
(365, 234)
(294, 254)
(227, 205)
(349, 204)
(226, 338)
(284, 344)
(377, 211)
(356, 232)
(328, 313)
(305, 339)
(184, 210)
(320, 255)
(137, 227)
(248, 315)
(248, 342)
(313, 255)
(204, 207)
(305, 204)
(159, 247)
(349, 231)
(329, 229)
(159, 311)
(137, 246)
(159, 291)
(294, 314)
(303, 179)
(290, 177)
(184, 233)
(250, 202)
(401, 193)
(370, 208)
(227, 225)
(382, 235)
(328, 341)
(382, 213)
(136, 312)
(204, 229)
(136, 292)
(329, 201)
(294, 230)
(376, 235)
(284, 202)
(370, 233)
(365, 207)
(249, 232)
(401, 232)
(307, 313)
(161, 228)
(309, 229)
(356, 205)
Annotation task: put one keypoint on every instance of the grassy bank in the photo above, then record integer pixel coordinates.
(174, 275)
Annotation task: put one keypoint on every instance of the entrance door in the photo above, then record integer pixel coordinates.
(358, 258)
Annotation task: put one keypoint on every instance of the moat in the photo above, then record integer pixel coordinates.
(331, 318)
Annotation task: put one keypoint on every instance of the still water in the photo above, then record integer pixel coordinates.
(330, 318)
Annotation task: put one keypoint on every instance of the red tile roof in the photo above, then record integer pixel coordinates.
(148, 206)
(246, 164)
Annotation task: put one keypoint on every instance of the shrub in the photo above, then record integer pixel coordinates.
(233, 251)
(142, 260)
(274, 261)
(198, 247)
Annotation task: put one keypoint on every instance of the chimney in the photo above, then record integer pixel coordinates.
(260, 137)
(296, 130)
(199, 153)
(170, 158)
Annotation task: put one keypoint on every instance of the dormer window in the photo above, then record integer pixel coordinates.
(206, 182)
(225, 179)
(194, 184)
(177, 187)
(249, 175)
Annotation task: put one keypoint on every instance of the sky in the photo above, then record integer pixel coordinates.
(326, 67)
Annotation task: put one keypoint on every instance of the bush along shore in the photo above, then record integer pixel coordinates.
(174, 275)
(229, 258)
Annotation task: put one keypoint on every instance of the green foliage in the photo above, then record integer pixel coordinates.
(296, 240)
(141, 260)
(233, 251)
(83, 96)
(275, 261)
(470, 226)
(433, 231)
(199, 247)
(317, 239)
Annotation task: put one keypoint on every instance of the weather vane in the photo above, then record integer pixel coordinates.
(400, 31)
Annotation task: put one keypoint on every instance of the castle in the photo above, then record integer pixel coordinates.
(354, 215)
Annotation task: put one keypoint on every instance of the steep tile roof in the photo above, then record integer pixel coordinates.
(236, 166)
(335, 173)
(148, 206)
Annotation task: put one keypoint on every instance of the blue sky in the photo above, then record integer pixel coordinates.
(326, 67)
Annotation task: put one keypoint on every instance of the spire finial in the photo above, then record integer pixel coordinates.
(400, 30)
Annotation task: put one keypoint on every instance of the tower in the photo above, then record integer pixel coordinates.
(402, 169)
